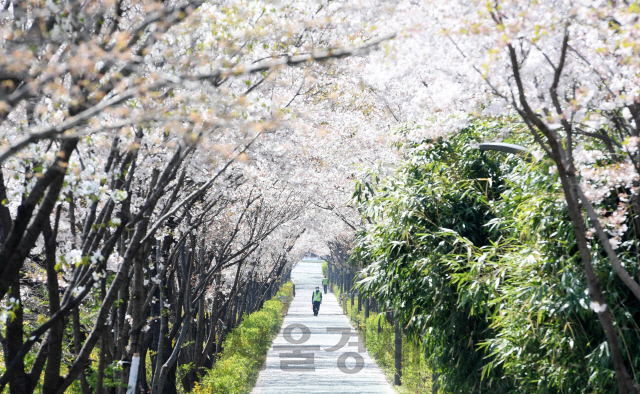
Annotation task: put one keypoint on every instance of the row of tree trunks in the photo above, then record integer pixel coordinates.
(157, 294)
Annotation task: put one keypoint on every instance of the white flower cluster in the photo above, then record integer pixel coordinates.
(597, 308)
(598, 182)
(71, 259)
(119, 195)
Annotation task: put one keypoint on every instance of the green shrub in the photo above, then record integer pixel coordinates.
(236, 370)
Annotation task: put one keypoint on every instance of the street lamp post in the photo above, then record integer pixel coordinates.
(508, 148)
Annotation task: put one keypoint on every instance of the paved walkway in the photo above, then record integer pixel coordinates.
(318, 354)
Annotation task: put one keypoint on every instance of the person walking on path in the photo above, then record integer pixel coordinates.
(325, 282)
(316, 300)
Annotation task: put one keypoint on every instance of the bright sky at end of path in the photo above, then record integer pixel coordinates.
(289, 367)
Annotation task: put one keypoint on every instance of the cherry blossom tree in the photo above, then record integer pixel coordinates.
(162, 164)
(142, 183)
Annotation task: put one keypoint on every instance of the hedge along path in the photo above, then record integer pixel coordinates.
(288, 367)
(244, 349)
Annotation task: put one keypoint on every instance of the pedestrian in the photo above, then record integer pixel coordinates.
(325, 282)
(316, 300)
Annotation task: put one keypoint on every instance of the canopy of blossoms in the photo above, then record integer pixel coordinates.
(190, 151)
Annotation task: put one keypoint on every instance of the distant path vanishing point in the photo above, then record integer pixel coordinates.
(318, 354)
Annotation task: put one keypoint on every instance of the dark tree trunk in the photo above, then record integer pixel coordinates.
(52, 371)
(569, 184)
(19, 381)
(5, 215)
(137, 321)
(78, 338)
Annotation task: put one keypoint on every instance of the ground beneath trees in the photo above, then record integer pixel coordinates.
(318, 354)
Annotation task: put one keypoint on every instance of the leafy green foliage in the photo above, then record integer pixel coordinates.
(477, 254)
(441, 188)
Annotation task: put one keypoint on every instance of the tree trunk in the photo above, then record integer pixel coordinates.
(52, 371)
(78, 338)
(569, 184)
(138, 320)
(19, 381)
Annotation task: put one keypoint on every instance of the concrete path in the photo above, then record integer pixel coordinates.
(318, 354)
